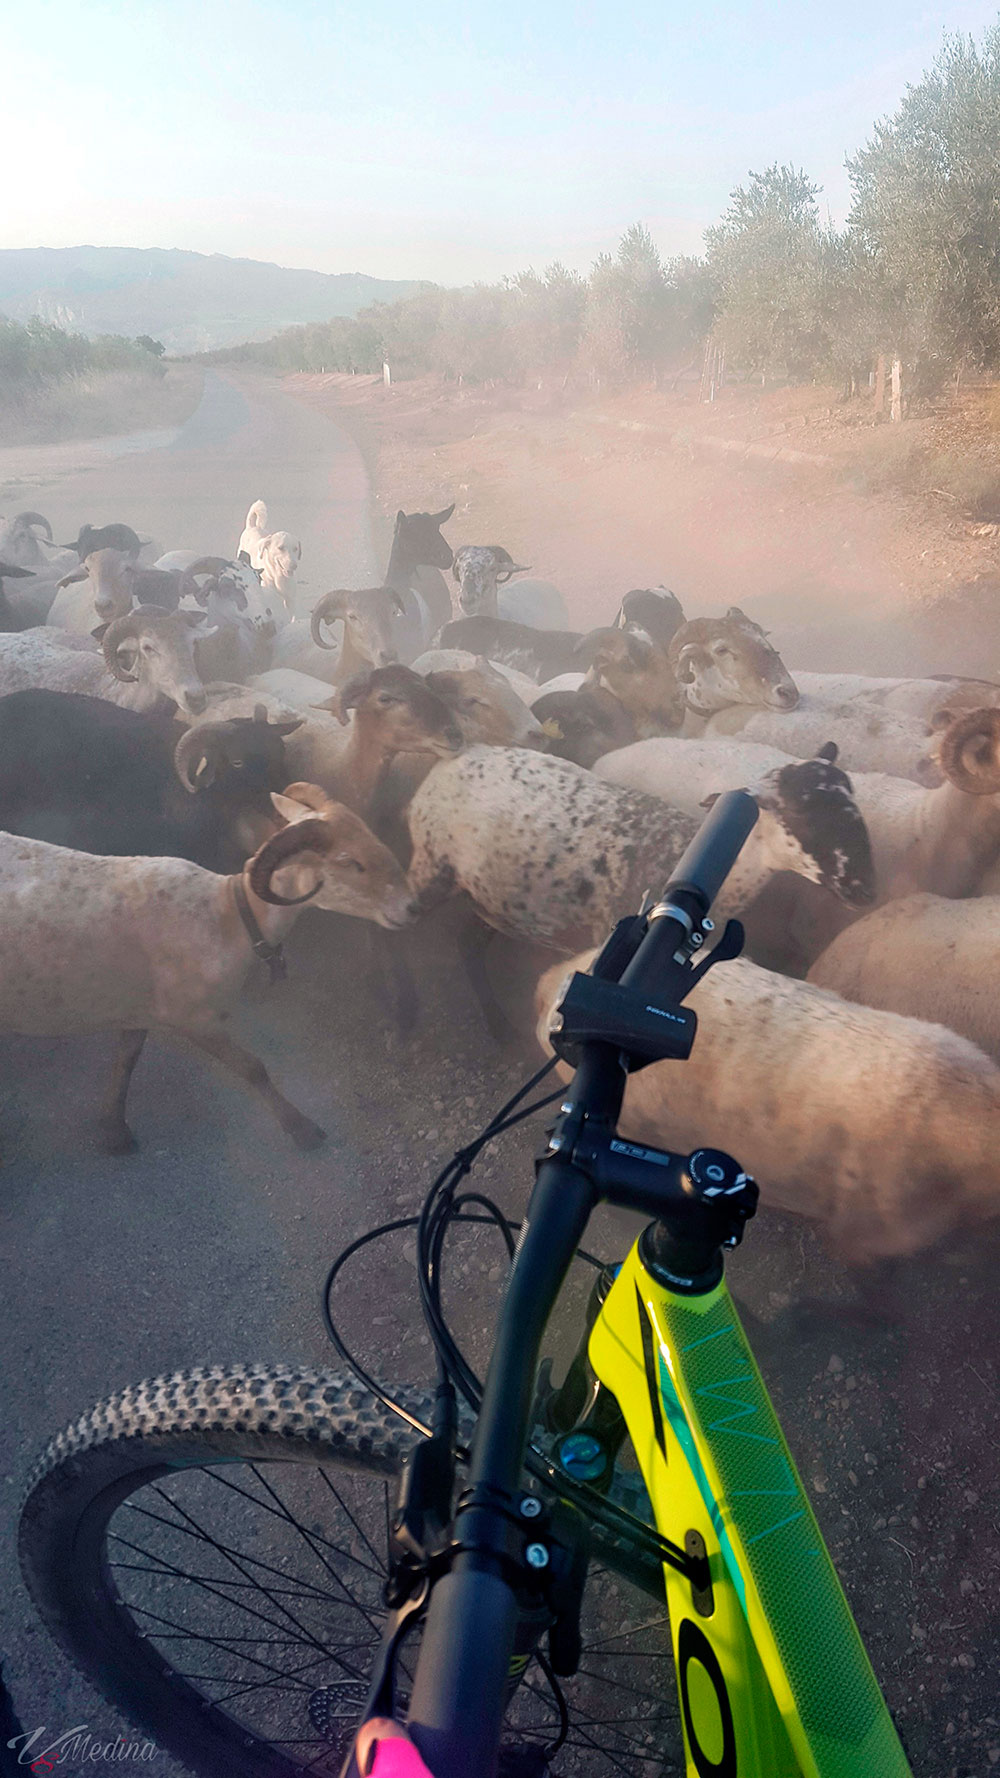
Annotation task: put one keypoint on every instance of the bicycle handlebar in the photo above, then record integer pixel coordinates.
(715, 848)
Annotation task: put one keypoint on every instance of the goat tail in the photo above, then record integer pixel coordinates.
(257, 516)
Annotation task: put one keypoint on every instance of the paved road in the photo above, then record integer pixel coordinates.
(242, 443)
(210, 1243)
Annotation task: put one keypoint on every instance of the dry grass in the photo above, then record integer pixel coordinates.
(96, 404)
(902, 459)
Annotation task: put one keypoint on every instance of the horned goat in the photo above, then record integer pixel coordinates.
(125, 944)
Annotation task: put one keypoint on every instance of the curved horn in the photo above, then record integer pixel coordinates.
(35, 518)
(122, 630)
(515, 568)
(213, 565)
(684, 657)
(196, 745)
(310, 795)
(311, 835)
(327, 610)
(970, 752)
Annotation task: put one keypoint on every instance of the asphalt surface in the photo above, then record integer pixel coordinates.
(209, 1245)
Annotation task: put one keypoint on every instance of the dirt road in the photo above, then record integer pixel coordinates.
(211, 1242)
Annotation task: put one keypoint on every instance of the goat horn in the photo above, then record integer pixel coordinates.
(311, 835)
(197, 744)
(327, 610)
(970, 752)
(35, 518)
(213, 565)
(122, 630)
(311, 795)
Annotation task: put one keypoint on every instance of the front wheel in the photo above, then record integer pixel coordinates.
(210, 1549)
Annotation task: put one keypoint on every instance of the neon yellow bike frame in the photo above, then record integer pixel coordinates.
(773, 1677)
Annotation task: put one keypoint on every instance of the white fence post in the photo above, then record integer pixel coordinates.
(386, 375)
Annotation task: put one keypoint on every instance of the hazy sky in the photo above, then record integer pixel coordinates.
(448, 139)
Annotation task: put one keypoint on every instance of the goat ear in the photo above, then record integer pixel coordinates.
(290, 809)
(398, 605)
(99, 632)
(288, 728)
(244, 557)
(941, 719)
(709, 801)
(400, 516)
(829, 752)
(441, 518)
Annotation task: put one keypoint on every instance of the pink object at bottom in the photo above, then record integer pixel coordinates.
(398, 1759)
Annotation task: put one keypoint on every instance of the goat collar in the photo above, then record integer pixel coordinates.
(272, 955)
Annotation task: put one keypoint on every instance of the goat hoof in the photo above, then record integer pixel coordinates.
(116, 1139)
(305, 1134)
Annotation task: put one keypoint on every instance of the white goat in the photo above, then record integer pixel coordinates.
(870, 739)
(882, 1129)
(928, 957)
(123, 944)
(145, 659)
(904, 697)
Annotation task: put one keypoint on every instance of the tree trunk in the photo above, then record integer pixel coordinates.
(880, 384)
(896, 410)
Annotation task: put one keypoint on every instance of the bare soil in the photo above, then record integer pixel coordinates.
(773, 500)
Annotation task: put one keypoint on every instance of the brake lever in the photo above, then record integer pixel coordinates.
(729, 946)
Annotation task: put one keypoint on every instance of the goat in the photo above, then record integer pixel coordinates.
(539, 654)
(93, 537)
(347, 743)
(481, 573)
(367, 618)
(11, 617)
(146, 658)
(548, 853)
(884, 1130)
(417, 556)
(638, 672)
(654, 610)
(927, 957)
(924, 698)
(23, 548)
(582, 725)
(870, 739)
(81, 772)
(114, 582)
(125, 944)
(728, 660)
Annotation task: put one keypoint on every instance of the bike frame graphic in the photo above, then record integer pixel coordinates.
(773, 1677)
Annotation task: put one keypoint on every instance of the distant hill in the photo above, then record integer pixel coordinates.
(193, 302)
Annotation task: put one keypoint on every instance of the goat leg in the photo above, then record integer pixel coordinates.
(474, 938)
(114, 1135)
(392, 979)
(249, 1069)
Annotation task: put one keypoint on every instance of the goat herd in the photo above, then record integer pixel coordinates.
(189, 755)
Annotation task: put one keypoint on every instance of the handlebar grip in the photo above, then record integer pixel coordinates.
(715, 848)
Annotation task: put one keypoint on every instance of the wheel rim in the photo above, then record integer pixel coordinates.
(256, 1587)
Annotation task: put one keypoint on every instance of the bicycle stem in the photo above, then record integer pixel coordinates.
(461, 1685)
